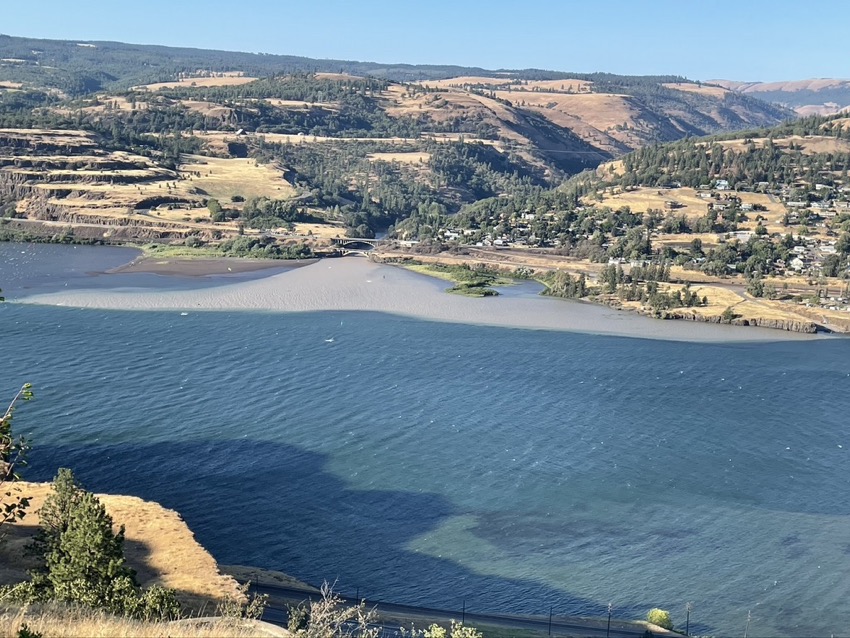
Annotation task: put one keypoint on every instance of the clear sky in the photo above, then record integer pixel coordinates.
(730, 39)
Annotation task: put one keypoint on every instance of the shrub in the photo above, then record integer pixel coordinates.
(659, 617)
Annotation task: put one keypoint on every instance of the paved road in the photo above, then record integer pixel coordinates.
(561, 626)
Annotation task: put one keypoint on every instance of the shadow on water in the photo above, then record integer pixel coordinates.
(275, 506)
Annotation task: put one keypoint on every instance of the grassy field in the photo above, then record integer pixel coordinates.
(688, 87)
(321, 231)
(226, 80)
(565, 85)
(691, 204)
(223, 178)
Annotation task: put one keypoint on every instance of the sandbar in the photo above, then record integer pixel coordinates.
(203, 267)
(356, 284)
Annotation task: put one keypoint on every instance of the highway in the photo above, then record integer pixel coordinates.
(281, 597)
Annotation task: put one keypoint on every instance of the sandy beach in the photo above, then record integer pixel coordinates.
(355, 284)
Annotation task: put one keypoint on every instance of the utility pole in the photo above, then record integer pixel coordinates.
(550, 621)
(608, 630)
(688, 619)
(749, 617)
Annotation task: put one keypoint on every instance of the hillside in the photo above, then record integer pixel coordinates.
(805, 97)
(610, 113)
(183, 145)
(159, 546)
(750, 228)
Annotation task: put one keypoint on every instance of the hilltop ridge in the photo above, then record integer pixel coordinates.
(823, 96)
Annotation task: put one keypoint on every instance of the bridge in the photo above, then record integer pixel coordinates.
(356, 245)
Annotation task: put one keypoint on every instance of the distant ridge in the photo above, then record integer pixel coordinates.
(821, 96)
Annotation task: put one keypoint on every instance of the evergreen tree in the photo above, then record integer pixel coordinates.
(87, 564)
(56, 512)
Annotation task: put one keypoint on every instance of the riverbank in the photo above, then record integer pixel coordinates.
(355, 284)
(728, 301)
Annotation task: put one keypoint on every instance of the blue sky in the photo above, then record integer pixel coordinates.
(740, 40)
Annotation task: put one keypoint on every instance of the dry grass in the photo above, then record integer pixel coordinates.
(321, 231)
(641, 199)
(465, 80)
(688, 87)
(570, 84)
(223, 178)
(597, 118)
(451, 104)
(68, 622)
(809, 145)
(843, 122)
(709, 240)
(616, 168)
(208, 109)
(341, 77)
(300, 104)
(69, 138)
(159, 546)
(601, 110)
(102, 102)
(227, 80)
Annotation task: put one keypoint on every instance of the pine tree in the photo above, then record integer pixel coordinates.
(56, 512)
(87, 564)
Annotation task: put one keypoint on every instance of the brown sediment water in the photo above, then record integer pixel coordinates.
(355, 284)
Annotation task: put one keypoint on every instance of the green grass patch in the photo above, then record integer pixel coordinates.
(473, 289)
(181, 251)
(463, 275)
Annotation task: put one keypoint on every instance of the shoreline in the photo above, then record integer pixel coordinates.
(356, 284)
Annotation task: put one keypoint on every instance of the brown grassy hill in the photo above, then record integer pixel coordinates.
(612, 119)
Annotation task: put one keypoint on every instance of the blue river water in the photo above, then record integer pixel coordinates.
(436, 463)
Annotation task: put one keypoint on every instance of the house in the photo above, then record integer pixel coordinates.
(722, 185)
(741, 235)
(797, 264)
